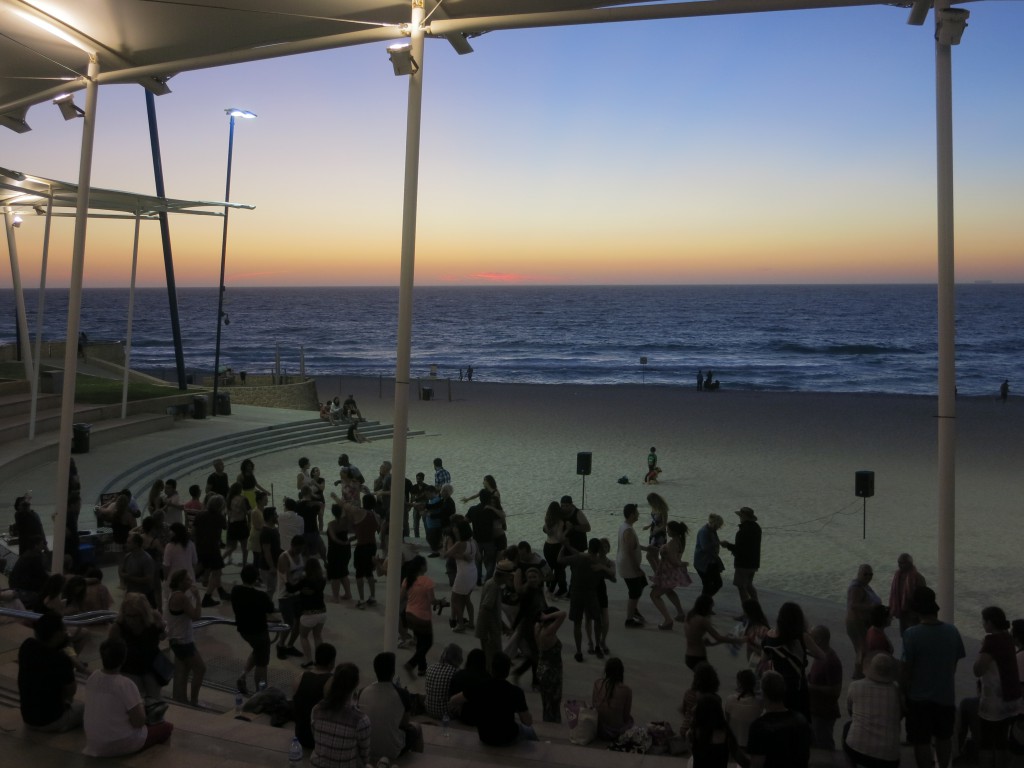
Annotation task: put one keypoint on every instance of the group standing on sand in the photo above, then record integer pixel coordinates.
(795, 667)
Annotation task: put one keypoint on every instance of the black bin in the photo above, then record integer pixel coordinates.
(199, 407)
(427, 393)
(80, 437)
(223, 403)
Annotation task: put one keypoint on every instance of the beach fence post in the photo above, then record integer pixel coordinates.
(277, 360)
(302, 362)
(643, 370)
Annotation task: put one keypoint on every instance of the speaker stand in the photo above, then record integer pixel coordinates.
(864, 533)
(583, 498)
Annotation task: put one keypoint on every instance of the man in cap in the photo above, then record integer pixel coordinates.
(874, 702)
(746, 553)
(931, 650)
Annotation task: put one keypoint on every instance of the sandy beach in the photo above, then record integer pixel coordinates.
(790, 456)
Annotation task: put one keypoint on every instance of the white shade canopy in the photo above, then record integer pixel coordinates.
(24, 193)
(45, 44)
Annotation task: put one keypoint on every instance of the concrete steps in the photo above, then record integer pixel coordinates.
(240, 445)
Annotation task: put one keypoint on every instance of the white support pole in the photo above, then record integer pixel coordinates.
(947, 330)
(131, 315)
(40, 304)
(67, 405)
(404, 349)
(19, 300)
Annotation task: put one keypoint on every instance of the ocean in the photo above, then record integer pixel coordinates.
(828, 338)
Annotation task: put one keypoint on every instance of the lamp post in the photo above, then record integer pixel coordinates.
(232, 113)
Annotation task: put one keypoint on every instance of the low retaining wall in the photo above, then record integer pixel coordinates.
(300, 396)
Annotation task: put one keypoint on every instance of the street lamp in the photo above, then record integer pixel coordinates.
(232, 113)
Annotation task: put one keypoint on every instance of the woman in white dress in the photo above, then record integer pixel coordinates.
(464, 554)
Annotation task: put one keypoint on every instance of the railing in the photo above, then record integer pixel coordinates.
(91, 618)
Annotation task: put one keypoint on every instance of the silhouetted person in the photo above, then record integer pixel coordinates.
(1004, 390)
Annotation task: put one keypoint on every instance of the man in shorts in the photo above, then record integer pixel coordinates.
(252, 609)
(931, 650)
(587, 572)
(291, 567)
(630, 565)
(209, 526)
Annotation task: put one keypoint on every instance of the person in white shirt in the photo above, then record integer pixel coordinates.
(115, 718)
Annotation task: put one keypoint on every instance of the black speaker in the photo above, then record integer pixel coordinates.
(864, 486)
(583, 462)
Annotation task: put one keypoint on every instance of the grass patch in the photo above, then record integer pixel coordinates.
(100, 391)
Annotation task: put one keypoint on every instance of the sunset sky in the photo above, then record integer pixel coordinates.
(792, 147)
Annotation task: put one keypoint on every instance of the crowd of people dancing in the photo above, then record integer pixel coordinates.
(512, 599)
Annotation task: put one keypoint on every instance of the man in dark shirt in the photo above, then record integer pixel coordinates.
(210, 525)
(746, 553)
(482, 517)
(587, 573)
(497, 703)
(438, 512)
(779, 738)
(46, 679)
(28, 522)
(270, 550)
(29, 573)
(419, 494)
(312, 514)
(218, 481)
(252, 606)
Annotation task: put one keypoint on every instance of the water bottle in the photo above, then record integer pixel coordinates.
(238, 702)
(446, 725)
(295, 753)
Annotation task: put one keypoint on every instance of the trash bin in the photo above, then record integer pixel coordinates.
(427, 393)
(80, 437)
(223, 403)
(199, 407)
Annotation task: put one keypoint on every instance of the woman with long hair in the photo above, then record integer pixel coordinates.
(555, 528)
(658, 526)
(549, 663)
(341, 731)
(418, 591)
(119, 515)
(755, 627)
(250, 485)
(339, 554)
(464, 552)
(155, 502)
(312, 610)
(183, 608)
(142, 629)
(500, 526)
(671, 573)
(998, 704)
(701, 632)
(613, 700)
(787, 647)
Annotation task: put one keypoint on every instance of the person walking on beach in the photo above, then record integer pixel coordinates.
(905, 580)
(1004, 390)
(746, 553)
(630, 565)
(931, 650)
(652, 462)
(469, 373)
